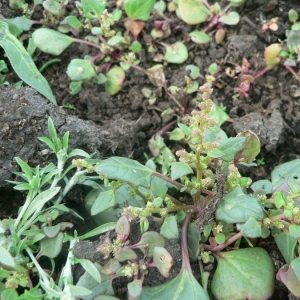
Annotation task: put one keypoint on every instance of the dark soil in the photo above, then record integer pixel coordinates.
(123, 124)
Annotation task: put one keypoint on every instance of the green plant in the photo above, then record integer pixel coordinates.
(36, 231)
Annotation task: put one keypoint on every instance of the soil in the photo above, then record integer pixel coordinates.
(123, 124)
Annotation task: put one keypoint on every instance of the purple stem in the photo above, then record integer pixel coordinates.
(185, 252)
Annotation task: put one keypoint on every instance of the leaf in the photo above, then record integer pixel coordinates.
(286, 245)
(251, 147)
(92, 9)
(135, 289)
(51, 247)
(169, 228)
(237, 207)
(148, 241)
(193, 239)
(81, 70)
(123, 254)
(123, 228)
(194, 71)
(251, 228)
(23, 64)
(6, 258)
(114, 80)
(180, 169)
(281, 173)
(231, 18)
(287, 275)
(90, 268)
(39, 201)
(243, 274)
(295, 264)
(163, 260)
(191, 13)
(22, 23)
(176, 53)
(52, 231)
(184, 286)
(199, 37)
(272, 57)
(263, 185)
(51, 41)
(125, 169)
(294, 231)
(105, 200)
(139, 9)
(231, 147)
(98, 230)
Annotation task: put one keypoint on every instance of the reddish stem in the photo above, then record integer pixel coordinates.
(222, 246)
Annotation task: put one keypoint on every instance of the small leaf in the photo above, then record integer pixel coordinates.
(51, 247)
(240, 276)
(194, 71)
(124, 254)
(251, 228)
(176, 53)
(92, 9)
(199, 37)
(293, 15)
(90, 268)
(114, 80)
(251, 147)
(51, 41)
(220, 238)
(191, 13)
(193, 240)
(6, 258)
(176, 135)
(295, 264)
(286, 244)
(183, 286)
(180, 169)
(294, 231)
(139, 9)
(287, 275)
(111, 267)
(163, 260)
(135, 289)
(272, 55)
(262, 185)
(231, 18)
(231, 147)
(105, 200)
(80, 70)
(23, 64)
(237, 207)
(123, 228)
(148, 241)
(169, 228)
(52, 231)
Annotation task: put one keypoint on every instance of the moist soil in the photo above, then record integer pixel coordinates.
(123, 124)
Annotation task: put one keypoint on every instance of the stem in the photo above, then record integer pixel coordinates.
(293, 72)
(165, 128)
(87, 43)
(184, 247)
(222, 246)
(262, 72)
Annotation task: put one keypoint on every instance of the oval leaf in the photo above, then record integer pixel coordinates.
(176, 53)
(114, 80)
(191, 13)
(139, 9)
(80, 70)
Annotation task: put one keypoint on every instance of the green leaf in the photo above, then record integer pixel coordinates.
(231, 18)
(286, 245)
(199, 37)
(81, 70)
(52, 231)
(177, 135)
(243, 274)
(9, 294)
(51, 41)
(115, 40)
(125, 169)
(139, 9)
(264, 185)
(48, 142)
(92, 9)
(251, 228)
(179, 169)
(169, 228)
(237, 207)
(148, 241)
(294, 231)
(6, 258)
(251, 147)
(194, 71)
(51, 247)
(90, 268)
(23, 64)
(25, 168)
(281, 173)
(191, 13)
(24, 24)
(73, 22)
(231, 147)
(163, 260)
(98, 230)
(114, 80)
(135, 289)
(176, 53)
(105, 200)
(39, 201)
(287, 275)
(295, 264)
(184, 286)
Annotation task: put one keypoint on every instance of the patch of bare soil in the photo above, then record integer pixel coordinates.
(123, 124)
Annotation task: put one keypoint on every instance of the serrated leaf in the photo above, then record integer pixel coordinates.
(237, 207)
(125, 169)
(139, 9)
(239, 276)
(184, 286)
(179, 169)
(23, 64)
